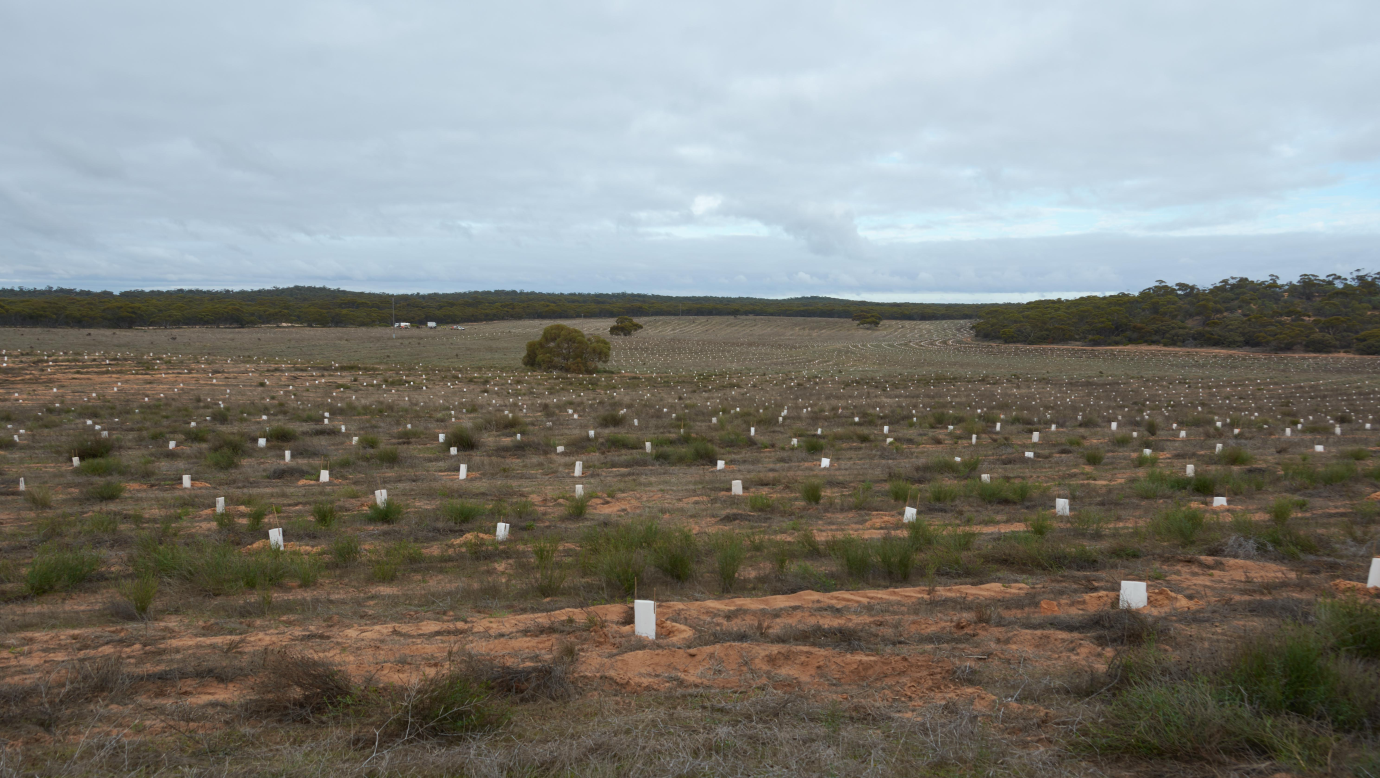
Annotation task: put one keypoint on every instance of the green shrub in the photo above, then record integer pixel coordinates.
(105, 491)
(1036, 554)
(463, 437)
(1283, 508)
(812, 491)
(1040, 524)
(390, 512)
(369, 441)
(139, 593)
(223, 459)
(325, 514)
(89, 445)
(1121, 439)
(550, 576)
(306, 569)
(854, 554)
(54, 569)
(1094, 456)
(1180, 524)
(1358, 454)
(896, 557)
(729, 553)
(943, 492)
(346, 549)
(461, 511)
(1235, 455)
(1146, 460)
(281, 433)
(899, 489)
(100, 467)
(621, 567)
(40, 497)
(445, 705)
(1351, 625)
(760, 502)
(674, 553)
(921, 535)
(1194, 721)
(609, 419)
(814, 445)
(862, 496)
(387, 455)
(575, 507)
(1288, 670)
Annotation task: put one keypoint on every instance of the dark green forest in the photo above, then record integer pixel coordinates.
(322, 307)
(1316, 314)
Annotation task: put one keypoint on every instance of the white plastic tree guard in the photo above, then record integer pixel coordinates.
(885, 429)
(648, 444)
(441, 437)
(454, 450)
(1034, 437)
(737, 488)
(275, 538)
(1188, 471)
(287, 456)
(591, 434)
(1030, 455)
(263, 442)
(644, 619)
(1373, 580)
(464, 472)
(1219, 502)
(560, 449)
(998, 426)
(220, 505)
(1319, 449)
(1183, 434)
(909, 515)
(1061, 506)
(1219, 448)
(1145, 452)
(975, 440)
(501, 531)
(76, 461)
(380, 497)
(21, 484)
(325, 476)
(987, 478)
(172, 444)
(1133, 595)
(1113, 426)
(579, 490)
(752, 431)
(186, 482)
(1288, 432)
(720, 466)
(579, 469)
(824, 462)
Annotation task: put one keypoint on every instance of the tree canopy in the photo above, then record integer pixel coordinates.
(1317, 314)
(624, 326)
(322, 307)
(566, 350)
(868, 318)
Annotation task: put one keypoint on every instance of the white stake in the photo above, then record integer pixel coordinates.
(1133, 595)
(644, 619)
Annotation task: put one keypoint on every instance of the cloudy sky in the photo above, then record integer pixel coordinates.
(909, 150)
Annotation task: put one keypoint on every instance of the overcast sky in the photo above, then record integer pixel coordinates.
(910, 150)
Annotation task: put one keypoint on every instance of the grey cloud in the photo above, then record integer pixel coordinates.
(427, 145)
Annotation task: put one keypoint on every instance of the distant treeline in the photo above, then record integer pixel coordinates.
(322, 307)
(1318, 314)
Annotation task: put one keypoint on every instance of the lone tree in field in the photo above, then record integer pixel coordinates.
(868, 319)
(567, 350)
(624, 326)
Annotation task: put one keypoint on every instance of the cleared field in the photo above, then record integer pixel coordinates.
(804, 625)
